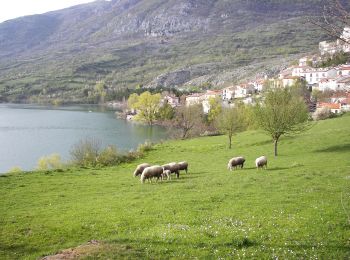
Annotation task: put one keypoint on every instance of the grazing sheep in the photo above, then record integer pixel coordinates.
(155, 171)
(183, 166)
(234, 162)
(166, 174)
(140, 168)
(261, 162)
(173, 167)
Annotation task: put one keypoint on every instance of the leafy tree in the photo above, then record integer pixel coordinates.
(100, 91)
(147, 106)
(282, 112)
(132, 100)
(166, 112)
(233, 120)
(215, 109)
(187, 118)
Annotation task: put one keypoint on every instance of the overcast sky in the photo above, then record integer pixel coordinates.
(10, 9)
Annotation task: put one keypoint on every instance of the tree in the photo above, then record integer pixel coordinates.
(100, 90)
(334, 18)
(232, 120)
(147, 106)
(215, 109)
(187, 118)
(166, 112)
(282, 112)
(132, 100)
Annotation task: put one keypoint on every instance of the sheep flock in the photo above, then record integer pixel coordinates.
(150, 172)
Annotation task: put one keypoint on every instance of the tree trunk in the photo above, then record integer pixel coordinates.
(230, 141)
(276, 143)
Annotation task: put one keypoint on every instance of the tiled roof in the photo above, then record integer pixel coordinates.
(329, 105)
(343, 80)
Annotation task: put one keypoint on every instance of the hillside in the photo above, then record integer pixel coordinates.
(167, 43)
(297, 208)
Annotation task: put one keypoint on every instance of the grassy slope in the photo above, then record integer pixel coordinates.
(293, 209)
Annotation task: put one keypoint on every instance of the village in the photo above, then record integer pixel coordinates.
(333, 82)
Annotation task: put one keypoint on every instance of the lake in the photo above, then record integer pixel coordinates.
(28, 132)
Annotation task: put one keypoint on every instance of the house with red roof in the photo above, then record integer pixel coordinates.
(333, 107)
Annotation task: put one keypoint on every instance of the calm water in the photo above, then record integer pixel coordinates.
(28, 132)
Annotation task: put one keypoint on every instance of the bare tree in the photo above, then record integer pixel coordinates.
(334, 18)
(187, 118)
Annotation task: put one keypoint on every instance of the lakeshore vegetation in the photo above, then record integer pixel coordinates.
(298, 208)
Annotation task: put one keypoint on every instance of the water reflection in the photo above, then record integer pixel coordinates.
(28, 132)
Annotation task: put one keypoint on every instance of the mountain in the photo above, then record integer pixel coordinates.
(154, 43)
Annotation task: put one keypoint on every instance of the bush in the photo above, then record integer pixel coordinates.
(109, 156)
(14, 170)
(145, 147)
(52, 161)
(321, 114)
(86, 152)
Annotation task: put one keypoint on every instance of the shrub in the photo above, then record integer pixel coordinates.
(321, 114)
(145, 147)
(85, 152)
(14, 170)
(52, 161)
(109, 156)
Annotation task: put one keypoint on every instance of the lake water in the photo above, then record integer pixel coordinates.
(28, 132)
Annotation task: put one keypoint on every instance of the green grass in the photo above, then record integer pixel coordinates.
(298, 208)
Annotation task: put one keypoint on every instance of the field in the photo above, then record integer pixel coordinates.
(298, 208)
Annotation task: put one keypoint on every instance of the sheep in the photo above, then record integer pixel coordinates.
(140, 168)
(183, 166)
(166, 174)
(173, 167)
(234, 162)
(261, 162)
(155, 171)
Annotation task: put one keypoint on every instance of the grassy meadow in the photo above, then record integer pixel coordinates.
(298, 208)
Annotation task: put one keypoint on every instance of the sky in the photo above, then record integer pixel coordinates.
(10, 9)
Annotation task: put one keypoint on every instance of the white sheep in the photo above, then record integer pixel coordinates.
(173, 167)
(166, 174)
(234, 162)
(140, 168)
(183, 166)
(261, 162)
(155, 171)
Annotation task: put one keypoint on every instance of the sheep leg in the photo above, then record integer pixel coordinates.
(177, 174)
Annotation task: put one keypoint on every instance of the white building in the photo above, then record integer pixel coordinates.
(298, 71)
(306, 60)
(343, 83)
(335, 84)
(228, 93)
(289, 81)
(329, 47)
(326, 84)
(343, 70)
(315, 75)
(203, 98)
(334, 108)
(194, 99)
(337, 46)
(244, 90)
(172, 100)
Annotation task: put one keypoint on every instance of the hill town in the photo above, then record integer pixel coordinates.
(329, 86)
